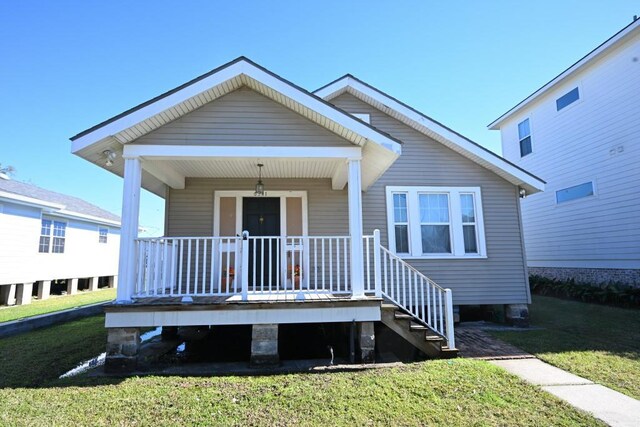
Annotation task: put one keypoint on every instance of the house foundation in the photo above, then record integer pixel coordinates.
(23, 293)
(72, 286)
(123, 345)
(517, 315)
(367, 341)
(264, 346)
(93, 283)
(44, 289)
(8, 294)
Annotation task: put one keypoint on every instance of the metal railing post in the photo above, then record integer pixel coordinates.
(377, 273)
(245, 265)
(451, 340)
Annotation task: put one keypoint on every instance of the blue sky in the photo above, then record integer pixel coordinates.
(67, 65)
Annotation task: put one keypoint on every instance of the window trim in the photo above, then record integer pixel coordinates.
(530, 136)
(594, 188)
(51, 235)
(106, 235)
(565, 93)
(455, 218)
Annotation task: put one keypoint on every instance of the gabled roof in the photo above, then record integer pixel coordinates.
(154, 113)
(620, 37)
(432, 128)
(53, 202)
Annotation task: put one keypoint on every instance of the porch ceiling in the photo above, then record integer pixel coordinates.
(246, 167)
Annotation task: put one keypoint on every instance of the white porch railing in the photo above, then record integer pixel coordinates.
(261, 265)
(213, 266)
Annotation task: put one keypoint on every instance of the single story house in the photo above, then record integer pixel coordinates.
(288, 206)
(49, 236)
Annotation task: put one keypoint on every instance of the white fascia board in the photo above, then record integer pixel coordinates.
(194, 152)
(471, 149)
(28, 201)
(157, 107)
(581, 64)
(234, 70)
(76, 215)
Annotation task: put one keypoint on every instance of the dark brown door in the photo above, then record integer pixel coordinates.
(261, 217)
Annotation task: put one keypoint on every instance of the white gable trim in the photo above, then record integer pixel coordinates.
(455, 141)
(241, 67)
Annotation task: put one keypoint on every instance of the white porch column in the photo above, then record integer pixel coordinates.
(355, 228)
(129, 230)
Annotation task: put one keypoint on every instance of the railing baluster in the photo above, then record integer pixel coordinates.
(347, 282)
(315, 264)
(196, 276)
(204, 267)
(212, 266)
(330, 265)
(181, 260)
(174, 251)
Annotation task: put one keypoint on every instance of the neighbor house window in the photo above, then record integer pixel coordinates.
(102, 235)
(45, 236)
(575, 192)
(524, 136)
(435, 222)
(567, 99)
(52, 236)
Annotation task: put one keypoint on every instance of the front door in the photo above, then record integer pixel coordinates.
(261, 217)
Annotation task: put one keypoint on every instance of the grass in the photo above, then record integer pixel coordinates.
(41, 356)
(597, 342)
(56, 304)
(454, 392)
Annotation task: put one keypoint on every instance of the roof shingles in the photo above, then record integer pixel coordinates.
(71, 204)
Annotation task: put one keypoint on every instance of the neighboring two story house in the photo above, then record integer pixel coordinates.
(47, 236)
(289, 207)
(581, 133)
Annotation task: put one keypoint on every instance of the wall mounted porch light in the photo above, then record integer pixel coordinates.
(110, 156)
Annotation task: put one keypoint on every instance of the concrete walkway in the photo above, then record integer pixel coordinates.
(615, 409)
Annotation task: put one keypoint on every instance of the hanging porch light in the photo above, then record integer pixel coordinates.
(259, 185)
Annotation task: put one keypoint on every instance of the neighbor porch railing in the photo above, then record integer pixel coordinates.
(262, 265)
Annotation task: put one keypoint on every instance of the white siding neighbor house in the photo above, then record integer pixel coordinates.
(581, 133)
(48, 236)
(290, 207)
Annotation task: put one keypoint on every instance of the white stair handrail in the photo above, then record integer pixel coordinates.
(401, 283)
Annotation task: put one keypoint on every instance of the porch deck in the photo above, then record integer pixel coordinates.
(266, 298)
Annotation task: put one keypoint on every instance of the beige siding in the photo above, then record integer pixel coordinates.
(243, 117)
(498, 279)
(190, 211)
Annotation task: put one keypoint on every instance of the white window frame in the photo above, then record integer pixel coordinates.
(574, 183)
(106, 235)
(52, 235)
(566, 92)
(455, 221)
(530, 136)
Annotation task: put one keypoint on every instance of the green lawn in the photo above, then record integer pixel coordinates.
(56, 303)
(454, 392)
(597, 342)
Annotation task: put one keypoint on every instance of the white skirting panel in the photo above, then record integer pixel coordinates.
(131, 319)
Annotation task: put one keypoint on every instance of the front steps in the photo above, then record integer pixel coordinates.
(420, 336)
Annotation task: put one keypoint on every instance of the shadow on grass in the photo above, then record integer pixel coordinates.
(575, 326)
